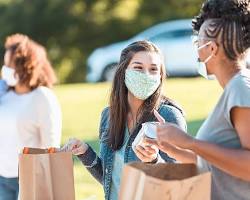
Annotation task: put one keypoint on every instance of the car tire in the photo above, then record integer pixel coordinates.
(109, 72)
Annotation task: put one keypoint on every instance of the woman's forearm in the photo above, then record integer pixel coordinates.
(183, 155)
(235, 162)
(93, 164)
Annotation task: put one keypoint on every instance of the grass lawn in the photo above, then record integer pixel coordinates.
(83, 103)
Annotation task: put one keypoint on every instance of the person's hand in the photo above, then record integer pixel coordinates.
(163, 146)
(169, 135)
(147, 153)
(75, 146)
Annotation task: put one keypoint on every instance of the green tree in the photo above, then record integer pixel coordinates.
(71, 30)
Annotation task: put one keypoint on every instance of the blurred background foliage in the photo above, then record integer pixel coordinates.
(72, 29)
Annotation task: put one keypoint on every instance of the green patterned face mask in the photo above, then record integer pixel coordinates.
(141, 85)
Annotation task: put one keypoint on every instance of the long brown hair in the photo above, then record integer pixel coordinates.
(119, 107)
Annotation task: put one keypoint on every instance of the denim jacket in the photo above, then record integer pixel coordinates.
(100, 166)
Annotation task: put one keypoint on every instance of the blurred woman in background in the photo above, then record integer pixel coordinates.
(29, 111)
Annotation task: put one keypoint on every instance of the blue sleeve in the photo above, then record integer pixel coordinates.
(90, 159)
(104, 122)
(93, 164)
(173, 115)
(3, 87)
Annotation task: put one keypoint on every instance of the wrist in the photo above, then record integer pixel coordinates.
(85, 148)
(192, 144)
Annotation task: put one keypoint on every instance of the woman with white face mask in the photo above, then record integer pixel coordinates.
(222, 144)
(136, 92)
(30, 115)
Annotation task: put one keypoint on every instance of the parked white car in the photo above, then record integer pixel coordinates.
(172, 37)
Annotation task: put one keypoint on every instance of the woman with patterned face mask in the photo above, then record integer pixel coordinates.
(136, 92)
(30, 115)
(222, 144)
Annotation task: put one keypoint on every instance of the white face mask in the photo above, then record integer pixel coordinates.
(8, 75)
(141, 85)
(202, 68)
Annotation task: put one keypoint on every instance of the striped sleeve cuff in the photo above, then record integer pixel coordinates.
(89, 158)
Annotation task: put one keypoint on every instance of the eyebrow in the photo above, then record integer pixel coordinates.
(139, 63)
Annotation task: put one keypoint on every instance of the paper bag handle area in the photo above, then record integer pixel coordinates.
(28, 150)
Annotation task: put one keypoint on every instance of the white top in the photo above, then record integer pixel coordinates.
(27, 120)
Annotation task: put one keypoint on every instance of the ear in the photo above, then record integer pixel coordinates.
(214, 48)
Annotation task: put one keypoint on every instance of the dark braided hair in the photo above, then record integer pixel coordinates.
(230, 25)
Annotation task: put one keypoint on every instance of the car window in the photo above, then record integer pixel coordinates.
(173, 34)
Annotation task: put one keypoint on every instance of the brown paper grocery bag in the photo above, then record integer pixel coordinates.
(46, 176)
(142, 181)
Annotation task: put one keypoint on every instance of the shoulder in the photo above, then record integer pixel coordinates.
(45, 96)
(105, 112)
(44, 93)
(239, 83)
(169, 111)
(105, 115)
(173, 115)
(239, 87)
(104, 124)
(237, 92)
